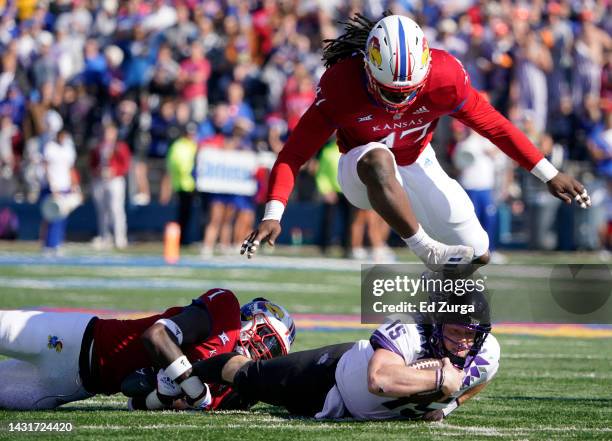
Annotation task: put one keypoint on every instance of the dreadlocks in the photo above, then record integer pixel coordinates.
(353, 40)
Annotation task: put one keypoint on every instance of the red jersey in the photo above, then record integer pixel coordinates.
(344, 105)
(119, 351)
(118, 159)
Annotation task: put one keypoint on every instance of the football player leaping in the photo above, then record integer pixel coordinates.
(383, 93)
(372, 380)
(63, 357)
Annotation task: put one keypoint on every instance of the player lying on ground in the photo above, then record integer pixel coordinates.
(383, 94)
(63, 357)
(375, 379)
(267, 331)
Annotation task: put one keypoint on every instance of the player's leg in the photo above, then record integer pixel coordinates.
(369, 178)
(227, 225)
(298, 381)
(48, 346)
(24, 386)
(442, 205)
(117, 205)
(211, 232)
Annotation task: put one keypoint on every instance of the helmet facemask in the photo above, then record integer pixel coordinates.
(260, 340)
(393, 99)
(440, 339)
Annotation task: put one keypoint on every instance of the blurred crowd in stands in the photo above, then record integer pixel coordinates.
(94, 94)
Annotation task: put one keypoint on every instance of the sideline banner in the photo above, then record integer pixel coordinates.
(226, 171)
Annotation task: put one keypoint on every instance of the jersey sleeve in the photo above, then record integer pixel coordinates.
(224, 312)
(484, 366)
(312, 131)
(223, 309)
(469, 107)
(395, 336)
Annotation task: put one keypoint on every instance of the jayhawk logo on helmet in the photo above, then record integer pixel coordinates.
(53, 342)
(278, 312)
(374, 52)
(425, 53)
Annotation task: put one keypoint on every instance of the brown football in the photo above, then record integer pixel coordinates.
(430, 364)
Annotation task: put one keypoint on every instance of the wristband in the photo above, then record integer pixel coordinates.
(439, 379)
(274, 210)
(544, 170)
(178, 368)
(193, 387)
(203, 400)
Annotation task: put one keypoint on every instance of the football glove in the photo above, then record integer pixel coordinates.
(167, 391)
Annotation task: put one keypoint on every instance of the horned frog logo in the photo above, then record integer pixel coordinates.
(278, 313)
(425, 53)
(53, 342)
(374, 52)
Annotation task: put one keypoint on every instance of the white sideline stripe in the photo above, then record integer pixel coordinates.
(518, 430)
(160, 284)
(270, 262)
(488, 431)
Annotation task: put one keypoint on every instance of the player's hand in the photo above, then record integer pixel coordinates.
(566, 188)
(433, 415)
(267, 231)
(453, 378)
(167, 391)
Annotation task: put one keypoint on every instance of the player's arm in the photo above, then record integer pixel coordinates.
(470, 393)
(474, 111)
(388, 376)
(440, 414)
(310, 134)
(163, 341)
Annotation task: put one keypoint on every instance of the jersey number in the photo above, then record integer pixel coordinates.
(396, 329)
(389, 140)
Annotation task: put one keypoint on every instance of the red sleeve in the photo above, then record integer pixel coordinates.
(122, 159)
(475, 112)
(310, 134)
(224, 312)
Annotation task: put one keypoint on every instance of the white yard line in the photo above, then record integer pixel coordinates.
(161, 284)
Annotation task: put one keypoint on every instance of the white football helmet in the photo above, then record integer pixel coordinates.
(397, 62)
(267, 330)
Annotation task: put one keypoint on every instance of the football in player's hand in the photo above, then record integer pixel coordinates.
(429, 364)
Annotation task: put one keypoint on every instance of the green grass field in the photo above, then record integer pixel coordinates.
(546, 388)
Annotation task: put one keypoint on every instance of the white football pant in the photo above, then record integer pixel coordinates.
(44, 347)
(440, 204)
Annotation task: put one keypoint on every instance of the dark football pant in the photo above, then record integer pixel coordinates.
(298, 381)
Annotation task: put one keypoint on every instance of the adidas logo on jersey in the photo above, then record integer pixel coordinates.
(420, 110)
